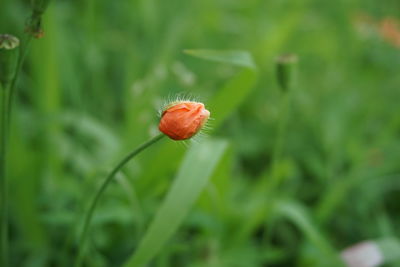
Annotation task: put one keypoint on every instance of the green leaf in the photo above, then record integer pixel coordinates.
(228, 98)
(194, 173)
(299, 216)
(235, 57)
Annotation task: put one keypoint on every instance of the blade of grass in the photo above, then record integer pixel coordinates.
(196, 169)
(235, 57)
(299, 216)
(229, 98)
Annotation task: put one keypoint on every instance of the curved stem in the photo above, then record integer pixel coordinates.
(101, 190)
(4, 124)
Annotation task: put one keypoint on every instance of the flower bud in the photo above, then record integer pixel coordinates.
(8, 58)
(34, 24)
(285, 71)
(182, 120)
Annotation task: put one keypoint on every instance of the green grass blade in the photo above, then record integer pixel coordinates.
(197, 167)
(237, 88)
(235, 57)
(228, 99)
(299, 216)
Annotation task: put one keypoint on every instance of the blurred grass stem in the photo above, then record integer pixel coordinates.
(5, 94)
(24, 51)
(284, 116)
(103, 187)
(274, 180)
(280, 137)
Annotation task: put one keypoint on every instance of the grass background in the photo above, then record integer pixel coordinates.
(89, 92)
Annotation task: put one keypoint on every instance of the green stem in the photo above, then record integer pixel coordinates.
(107, 181)
(275, 177)
(7, 95)
(280, 137)
(270, 179)
(4, 124)
(21, 59)
(264, 189)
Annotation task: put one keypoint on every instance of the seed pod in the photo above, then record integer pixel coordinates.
(286, 71)
(183, 119)
(8, 58)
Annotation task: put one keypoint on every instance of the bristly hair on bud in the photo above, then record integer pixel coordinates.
(182, 119)
(176, 98)
(8, 58)
(286, 71)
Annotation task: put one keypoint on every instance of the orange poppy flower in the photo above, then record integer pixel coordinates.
(182, 120)
(390, 31)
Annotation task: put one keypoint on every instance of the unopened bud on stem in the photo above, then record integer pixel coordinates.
(286, 71)
(34, 24)
(183, 119)
(8, 58)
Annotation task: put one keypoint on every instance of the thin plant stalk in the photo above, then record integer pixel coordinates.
(103, 187)
(271, 178)
(7, 95)
(4, 124)
(280, 137)
(8, 91)
(23, 52)
(275, 177)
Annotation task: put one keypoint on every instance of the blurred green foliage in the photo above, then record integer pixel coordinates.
(89, 92)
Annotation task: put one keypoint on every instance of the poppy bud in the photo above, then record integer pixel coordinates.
(8, 58)
(182, 120)
(285, 71)
(34, 24)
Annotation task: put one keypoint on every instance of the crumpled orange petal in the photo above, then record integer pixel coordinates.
(183, 120)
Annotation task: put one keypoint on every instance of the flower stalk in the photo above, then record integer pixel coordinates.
(4, 125)
(103, 187)
(8, 65)
(286, 77)
(11, 61)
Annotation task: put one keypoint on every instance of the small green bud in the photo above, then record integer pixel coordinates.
(8, 58)
(286, 71)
